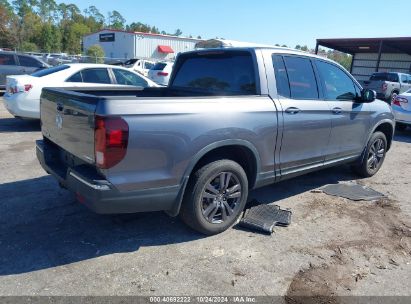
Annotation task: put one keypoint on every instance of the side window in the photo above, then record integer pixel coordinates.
(303, 84)
(7, 59)
(336, 83)
(96, 76)
(281, 78)
(128, 78)
(404, 78)
(29, 62)
(75, 78)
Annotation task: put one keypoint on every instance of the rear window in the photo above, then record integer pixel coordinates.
(385, 77)
(226, 72)
(159, 66)
(50, 71)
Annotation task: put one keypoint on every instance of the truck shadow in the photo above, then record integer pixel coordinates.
(403, 136)
(42, 226)
(19, 125)
(301, 184)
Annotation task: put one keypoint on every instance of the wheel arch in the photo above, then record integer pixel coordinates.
(241, 151)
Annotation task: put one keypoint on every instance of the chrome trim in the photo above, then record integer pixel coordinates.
(94, 186)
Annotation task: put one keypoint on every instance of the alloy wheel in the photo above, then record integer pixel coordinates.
(220, 197)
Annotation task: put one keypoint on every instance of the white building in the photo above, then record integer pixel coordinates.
(125, 45)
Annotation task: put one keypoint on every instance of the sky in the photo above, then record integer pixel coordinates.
(289, 22)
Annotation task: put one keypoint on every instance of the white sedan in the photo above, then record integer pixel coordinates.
(401, 107)
(22, 98)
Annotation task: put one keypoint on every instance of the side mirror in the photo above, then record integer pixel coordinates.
(368, 95)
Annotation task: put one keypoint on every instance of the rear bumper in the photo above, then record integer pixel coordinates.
(20, 105)
(101, 196)
(401, 115)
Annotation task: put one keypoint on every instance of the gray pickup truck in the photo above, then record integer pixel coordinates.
(388, 85)
(229, 121)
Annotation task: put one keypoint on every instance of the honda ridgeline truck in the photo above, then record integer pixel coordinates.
(230, 120)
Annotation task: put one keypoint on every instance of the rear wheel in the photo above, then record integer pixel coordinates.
(374, 156)
(215, 197)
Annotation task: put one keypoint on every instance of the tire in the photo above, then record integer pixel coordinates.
(373, 157)
(209, 208)
(400, 126)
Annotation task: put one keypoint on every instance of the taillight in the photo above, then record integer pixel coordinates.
(384, 87)
(27, 87)
(110, 141)
(399, 100)
(162, 74)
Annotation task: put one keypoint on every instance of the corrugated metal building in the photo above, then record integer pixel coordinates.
(372, 55)
(123, 44)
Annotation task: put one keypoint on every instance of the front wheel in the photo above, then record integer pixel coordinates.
(215, 197)
(374, 155)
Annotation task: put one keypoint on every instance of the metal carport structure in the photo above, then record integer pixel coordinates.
(373, 54)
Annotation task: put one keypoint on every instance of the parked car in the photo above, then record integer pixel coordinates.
(22, 96)
(16, 64)
(401, 106)
(141, 66)
(230, 120)
(388, 85)
(160, 72)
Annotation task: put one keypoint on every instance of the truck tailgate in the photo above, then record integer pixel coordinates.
(67, 119)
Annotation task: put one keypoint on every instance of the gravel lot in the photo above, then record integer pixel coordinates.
(51, 245)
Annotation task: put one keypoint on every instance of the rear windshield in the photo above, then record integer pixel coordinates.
(385, 77)
(159, 66)
(49, 71)
(229, 72)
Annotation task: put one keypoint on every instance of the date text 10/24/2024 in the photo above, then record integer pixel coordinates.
(203, 299)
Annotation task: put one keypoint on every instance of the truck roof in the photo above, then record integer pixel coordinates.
(253, 47)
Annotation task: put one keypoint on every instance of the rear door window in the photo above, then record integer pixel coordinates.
(75, 78)
(27, 61)
(230, 72)
(7, 59)
(96, 76)
(303, 84)
(127, 78)
(281, 77)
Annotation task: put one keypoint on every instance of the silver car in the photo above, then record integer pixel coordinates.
(401, 106)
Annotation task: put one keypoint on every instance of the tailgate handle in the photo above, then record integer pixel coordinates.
(60, 107)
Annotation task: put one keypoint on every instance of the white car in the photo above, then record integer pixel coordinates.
(22, 97)
(401, 107)
(141, 66)
(161, 72)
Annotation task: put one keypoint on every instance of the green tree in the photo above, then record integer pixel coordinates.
(96, 53)
(7, 39)
(116, 20)
(47, 10)
(73, 36)
(178, 32)
(29, 47)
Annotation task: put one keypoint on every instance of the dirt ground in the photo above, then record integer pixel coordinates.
(52, 245)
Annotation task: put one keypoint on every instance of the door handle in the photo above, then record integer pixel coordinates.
(292, 110)
(337, 111)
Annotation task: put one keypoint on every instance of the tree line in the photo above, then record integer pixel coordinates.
(44, 25)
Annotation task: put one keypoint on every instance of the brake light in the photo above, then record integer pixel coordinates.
(399, 100)
(162, 74)
(384, 87)
(18, 89)
(110, 141)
